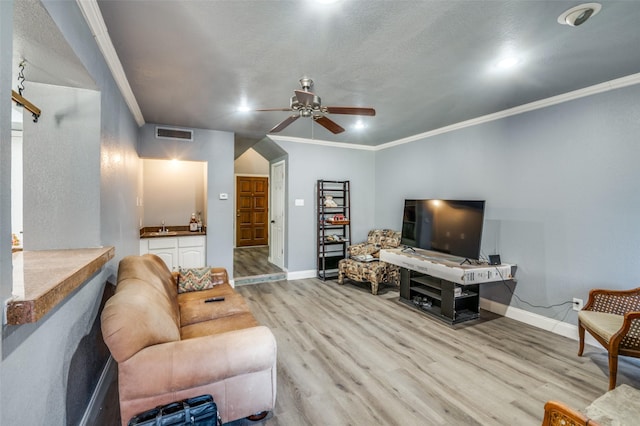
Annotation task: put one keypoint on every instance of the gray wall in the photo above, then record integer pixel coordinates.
(306, 163)
(561, 186)
(65, 191)
(36, 359)
(6, 45)
(216, 148)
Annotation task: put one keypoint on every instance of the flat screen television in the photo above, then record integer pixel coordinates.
(447, 226)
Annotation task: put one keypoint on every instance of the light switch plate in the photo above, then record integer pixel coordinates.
(224, 196)
(299, 202)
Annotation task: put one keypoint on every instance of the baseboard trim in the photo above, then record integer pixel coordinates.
(536, 320)
(300, 275)
(99, 393)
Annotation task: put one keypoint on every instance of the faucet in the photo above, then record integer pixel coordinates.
(164, 228)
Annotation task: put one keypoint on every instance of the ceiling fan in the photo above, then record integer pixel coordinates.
(307, 104)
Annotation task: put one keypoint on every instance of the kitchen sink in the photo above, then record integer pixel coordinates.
(156, 234)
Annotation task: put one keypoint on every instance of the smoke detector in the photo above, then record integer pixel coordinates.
(578, 15)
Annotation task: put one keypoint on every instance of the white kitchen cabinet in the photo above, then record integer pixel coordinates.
(177, 252)
(191, 252)
(166, 249)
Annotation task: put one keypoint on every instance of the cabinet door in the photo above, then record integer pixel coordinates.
(170, 257)
(144, 246)
(191, 257)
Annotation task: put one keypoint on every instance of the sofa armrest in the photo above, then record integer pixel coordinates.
(184, 364)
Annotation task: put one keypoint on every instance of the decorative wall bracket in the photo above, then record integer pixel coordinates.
(20, 100)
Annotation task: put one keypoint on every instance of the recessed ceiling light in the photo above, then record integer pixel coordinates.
(578, 15)
(326, 1)
(359, 125)
(243, 108)
(508, 62)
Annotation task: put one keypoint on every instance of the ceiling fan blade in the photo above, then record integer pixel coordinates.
(284, 123)
(274, 109)
(328, 124)
(349, 110)
(305, 98)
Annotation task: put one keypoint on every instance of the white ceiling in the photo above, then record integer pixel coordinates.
(422, 65)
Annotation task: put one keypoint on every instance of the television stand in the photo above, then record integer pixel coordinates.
(440, 286)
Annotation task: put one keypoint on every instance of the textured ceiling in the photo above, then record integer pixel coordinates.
(48, 58)
(422, 65)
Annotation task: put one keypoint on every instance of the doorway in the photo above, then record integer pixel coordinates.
(251, 257)
(252, 261)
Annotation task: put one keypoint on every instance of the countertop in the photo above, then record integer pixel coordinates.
(174, 231)
(45, 278)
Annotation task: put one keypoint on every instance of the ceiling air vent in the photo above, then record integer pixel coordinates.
(174, 134)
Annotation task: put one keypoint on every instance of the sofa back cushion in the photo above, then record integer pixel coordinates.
(137, 316)
(153, 270)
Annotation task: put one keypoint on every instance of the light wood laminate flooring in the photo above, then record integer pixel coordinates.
(252, 261)
(346, 357)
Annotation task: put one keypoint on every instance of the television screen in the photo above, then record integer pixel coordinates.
(446, 226)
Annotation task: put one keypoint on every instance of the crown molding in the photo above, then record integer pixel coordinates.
(345, 145)
(618, 83)
(93, 17)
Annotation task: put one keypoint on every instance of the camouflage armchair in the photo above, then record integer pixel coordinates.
(363, 264)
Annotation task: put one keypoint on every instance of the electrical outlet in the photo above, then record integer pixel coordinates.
(577, 304)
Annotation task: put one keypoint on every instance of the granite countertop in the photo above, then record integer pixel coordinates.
(174, 231)
(43, 279)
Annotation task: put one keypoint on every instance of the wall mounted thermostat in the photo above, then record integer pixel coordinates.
(224, 196)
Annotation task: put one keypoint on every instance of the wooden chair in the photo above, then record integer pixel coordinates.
(612, 317)
(558, 414)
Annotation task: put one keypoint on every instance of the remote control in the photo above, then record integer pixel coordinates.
(214, 299)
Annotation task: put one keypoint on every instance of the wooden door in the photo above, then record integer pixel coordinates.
(252, 213)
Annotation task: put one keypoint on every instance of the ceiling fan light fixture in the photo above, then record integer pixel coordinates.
(578, 15)
(307, 104)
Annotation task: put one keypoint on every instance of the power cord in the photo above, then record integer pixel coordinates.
(569, 302)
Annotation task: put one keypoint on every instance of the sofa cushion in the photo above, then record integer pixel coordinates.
(136, 317)
(217, 291)
(218, 325)
(151, 269)
(198, 310)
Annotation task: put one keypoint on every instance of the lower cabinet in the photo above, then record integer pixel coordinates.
(191, 252)
(176, 252)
